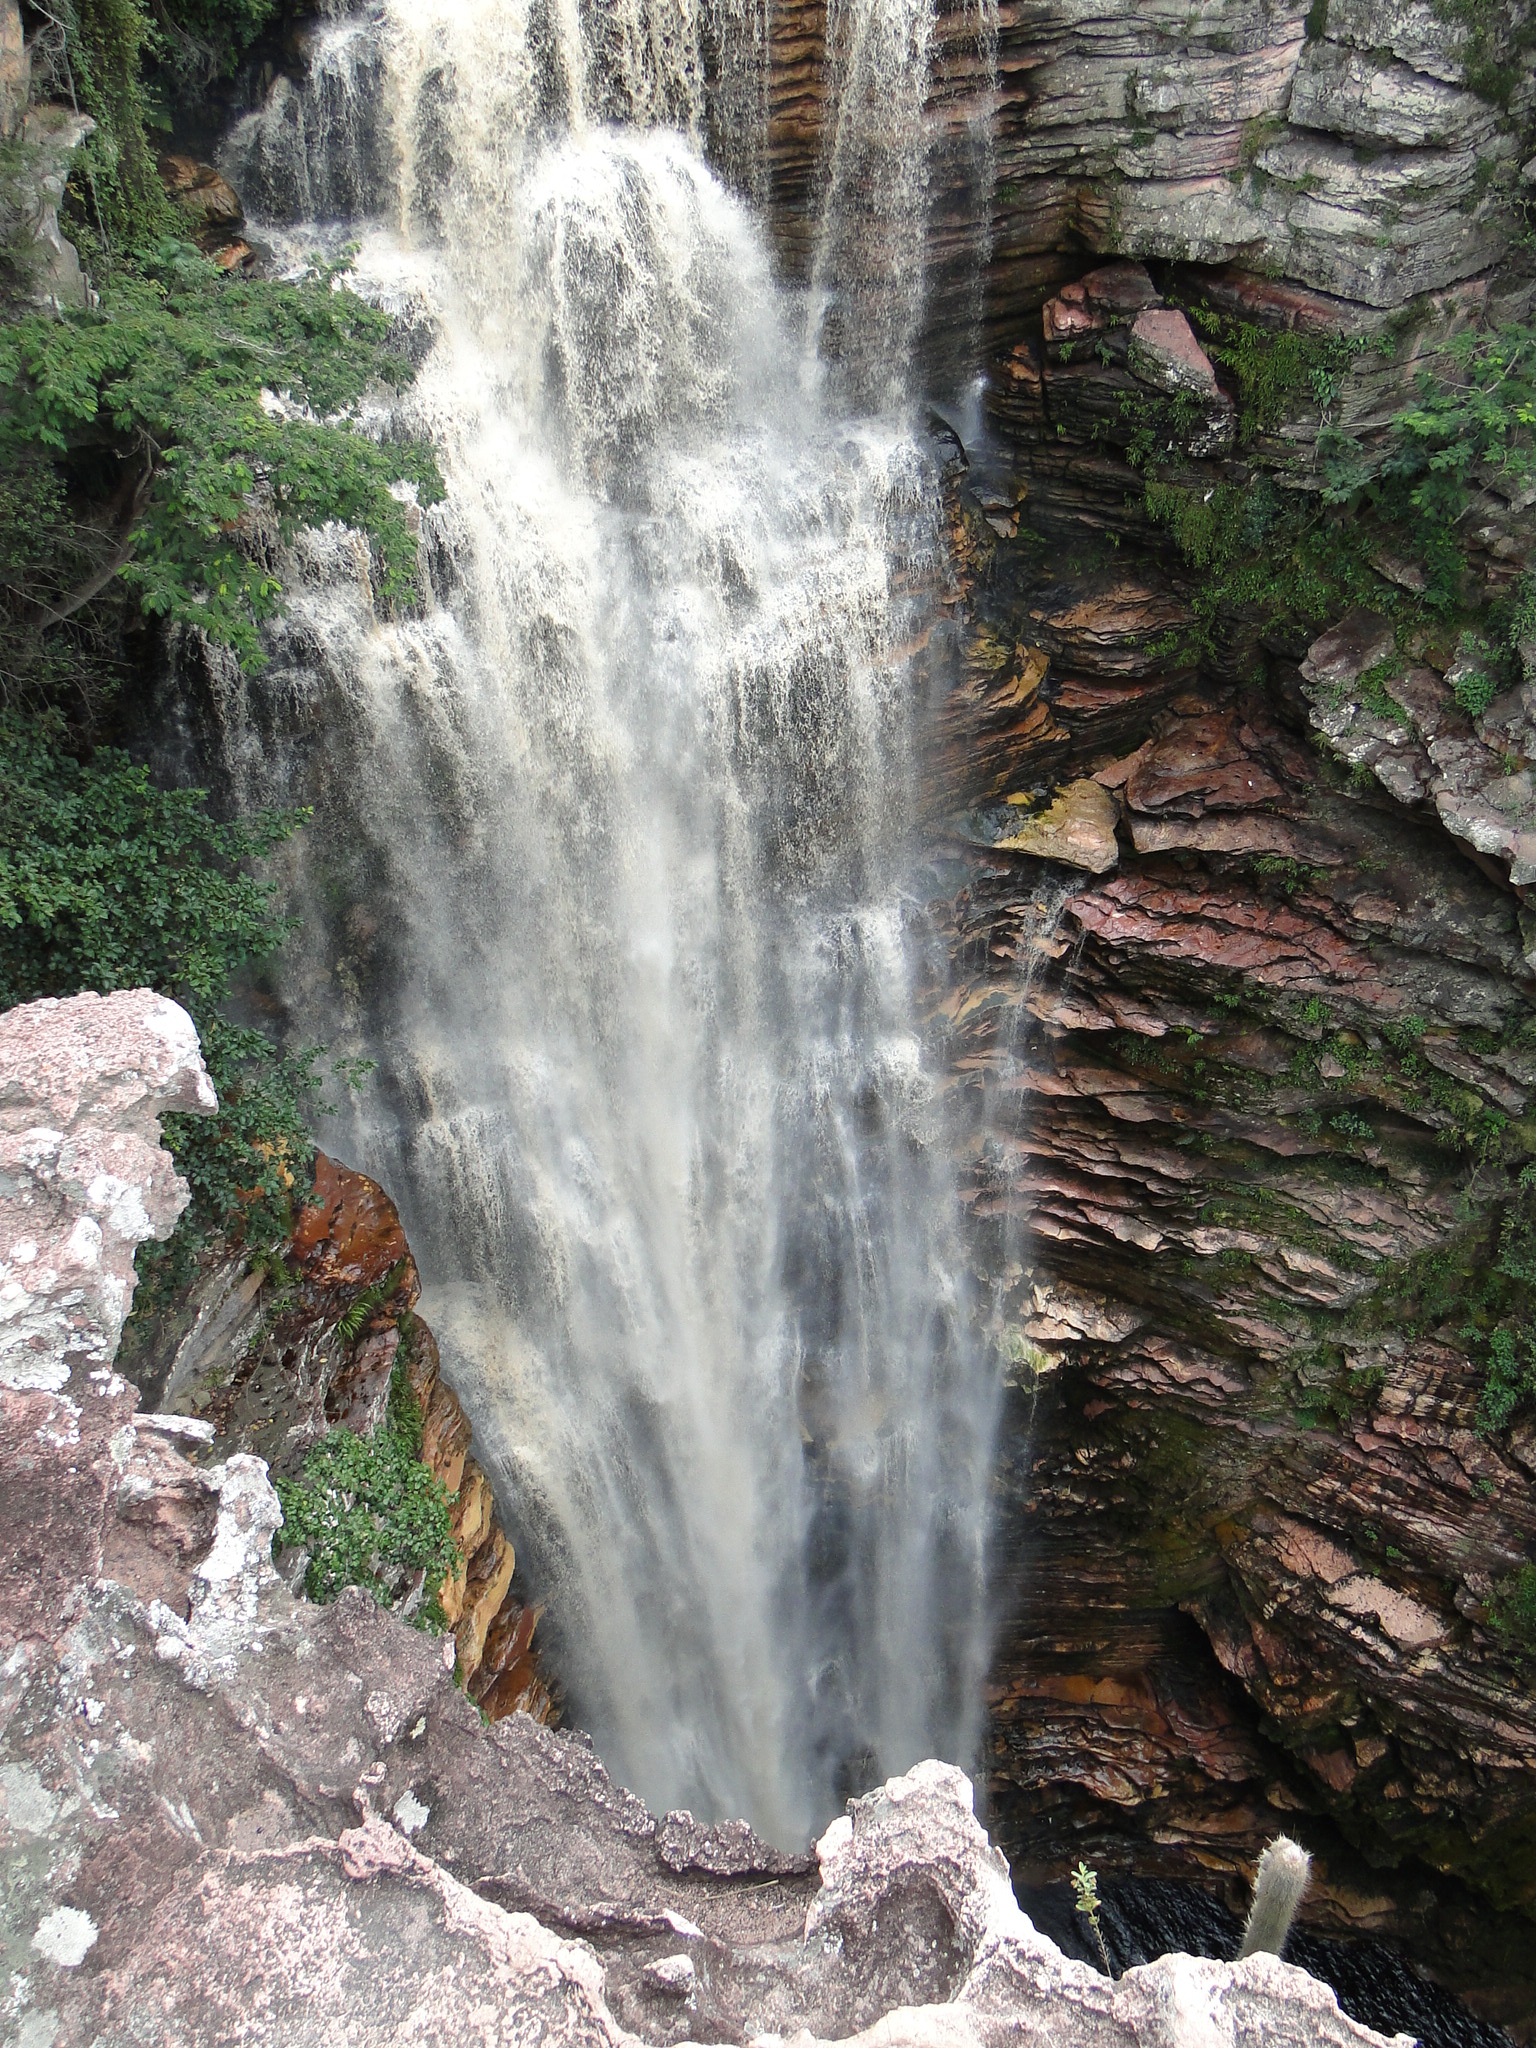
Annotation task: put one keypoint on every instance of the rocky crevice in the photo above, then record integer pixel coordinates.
(265, 1356)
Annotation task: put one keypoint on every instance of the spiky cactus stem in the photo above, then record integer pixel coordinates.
(1278, 1889)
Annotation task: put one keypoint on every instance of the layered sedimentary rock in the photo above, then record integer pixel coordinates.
(1364, 151)
(1243, 1066)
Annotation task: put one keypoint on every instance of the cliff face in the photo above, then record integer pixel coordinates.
(1236, 994)
(227, 1813)
(1238, 985)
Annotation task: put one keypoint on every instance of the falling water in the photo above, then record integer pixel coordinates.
(607, 876)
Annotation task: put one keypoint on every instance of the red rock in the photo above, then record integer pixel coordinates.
(1200, 764)
(348, 1234)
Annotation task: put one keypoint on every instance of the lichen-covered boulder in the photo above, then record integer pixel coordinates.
(84, 1179)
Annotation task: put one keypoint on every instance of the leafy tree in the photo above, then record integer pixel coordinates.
(154, 449)
(199, 40)
(138, 439)
(92, 54)
(113, 59)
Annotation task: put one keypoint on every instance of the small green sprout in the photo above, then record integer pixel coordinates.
(1085, 1885)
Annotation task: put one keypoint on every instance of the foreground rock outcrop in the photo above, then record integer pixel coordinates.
(229, 1814)
(84, 1180)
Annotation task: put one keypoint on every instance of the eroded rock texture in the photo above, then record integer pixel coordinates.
(226, 1814)
(83, 1178)
(1236, 968)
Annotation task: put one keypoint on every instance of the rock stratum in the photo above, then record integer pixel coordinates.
(1236, 948)
(227, 1814)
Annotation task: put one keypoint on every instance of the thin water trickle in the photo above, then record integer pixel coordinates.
(606, 874)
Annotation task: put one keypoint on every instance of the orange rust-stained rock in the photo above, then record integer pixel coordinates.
(348, 1234)
(488, 1582)
(445, 1436)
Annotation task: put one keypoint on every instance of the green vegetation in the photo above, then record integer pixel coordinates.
(1513, 1609)
(107, 882)
(1470, 426)
(1298, 548)
(157, 446)
(139, 457)
(156, 450)
(1496, 36)
(1481, 1284)
(1272, 370)
(350, 1322)
(1085, 1889)
(118, 61)
(1511, 1377)
(370, 1514)
(1291, 874)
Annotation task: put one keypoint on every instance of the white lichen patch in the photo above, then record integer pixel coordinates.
(27, 1805)
(65, 1936)
(410, 1814)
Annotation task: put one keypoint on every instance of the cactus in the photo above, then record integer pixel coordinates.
(1278, 1888)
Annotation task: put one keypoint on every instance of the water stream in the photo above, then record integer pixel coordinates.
(608, 870)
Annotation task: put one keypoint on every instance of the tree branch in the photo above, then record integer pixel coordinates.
(120, 555)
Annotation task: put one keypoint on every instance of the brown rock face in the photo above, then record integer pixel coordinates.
(1258, 1520)
(1247, 1110)
(1248, 1101)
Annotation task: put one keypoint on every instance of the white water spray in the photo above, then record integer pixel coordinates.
(606, 874)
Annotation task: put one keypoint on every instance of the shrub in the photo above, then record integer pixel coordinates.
(1511, 1379)
(1513, 1609)
(370, 1514)
(1303, 556)
(108, 882)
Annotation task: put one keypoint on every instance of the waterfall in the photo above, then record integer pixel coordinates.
(608, 874)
